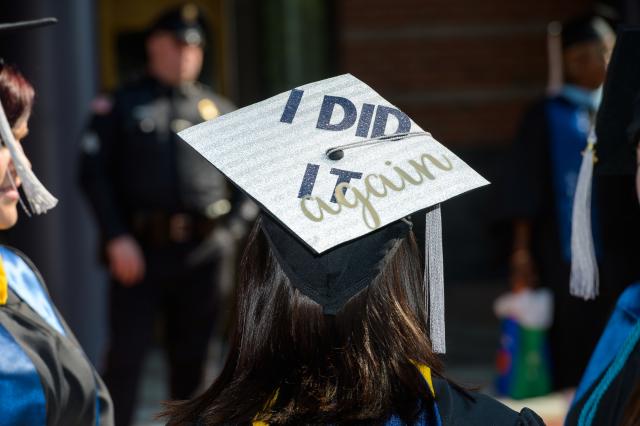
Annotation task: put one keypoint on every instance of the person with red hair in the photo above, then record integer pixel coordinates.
(45, 377)
(17, 100)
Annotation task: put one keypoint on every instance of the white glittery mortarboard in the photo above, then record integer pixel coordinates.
(333, 161)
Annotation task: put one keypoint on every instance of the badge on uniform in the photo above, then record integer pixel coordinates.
(208, 109)
(333, 161)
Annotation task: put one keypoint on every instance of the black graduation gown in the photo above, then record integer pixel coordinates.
(68, 392)
(614, 403)
(463, 408)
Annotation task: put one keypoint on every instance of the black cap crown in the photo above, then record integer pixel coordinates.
(334, 277)
(584, 29)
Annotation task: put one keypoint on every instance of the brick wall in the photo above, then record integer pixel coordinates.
(462, 69)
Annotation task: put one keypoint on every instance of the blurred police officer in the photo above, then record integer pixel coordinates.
(166, 217)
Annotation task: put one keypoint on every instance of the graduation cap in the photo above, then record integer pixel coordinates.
(613, 140)
(23, 25)
(39, 198)
(337, 169)
(583, 30)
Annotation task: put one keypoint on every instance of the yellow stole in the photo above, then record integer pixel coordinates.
(424, 370)
(4, 290)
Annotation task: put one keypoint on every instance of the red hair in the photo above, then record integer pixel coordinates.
(16, 94)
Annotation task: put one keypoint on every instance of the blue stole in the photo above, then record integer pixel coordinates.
(569, 125)
(26, 285)
(22, 398)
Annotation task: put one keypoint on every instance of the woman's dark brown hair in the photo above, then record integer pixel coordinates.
(16, 94)
(291, 364)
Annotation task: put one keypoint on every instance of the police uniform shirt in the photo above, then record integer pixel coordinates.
(132, 159)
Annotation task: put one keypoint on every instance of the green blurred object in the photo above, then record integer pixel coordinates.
(523, 361)
(532, 372)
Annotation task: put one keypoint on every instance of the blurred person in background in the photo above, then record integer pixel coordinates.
(166, 218)
(45, 377)
(545, 163)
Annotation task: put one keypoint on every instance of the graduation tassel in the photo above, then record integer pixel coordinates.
(434, 278)
(584, 280)
(40, 200)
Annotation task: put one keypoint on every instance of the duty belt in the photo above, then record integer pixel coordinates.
(159, 228)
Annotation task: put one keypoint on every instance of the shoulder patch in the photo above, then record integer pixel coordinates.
(102, 105)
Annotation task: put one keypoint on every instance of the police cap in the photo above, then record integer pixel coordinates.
(184, 22)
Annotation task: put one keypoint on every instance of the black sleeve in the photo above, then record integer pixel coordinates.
(528, 418)
(99, 150)
(634, 128)
(459, 407)
(528, 165)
